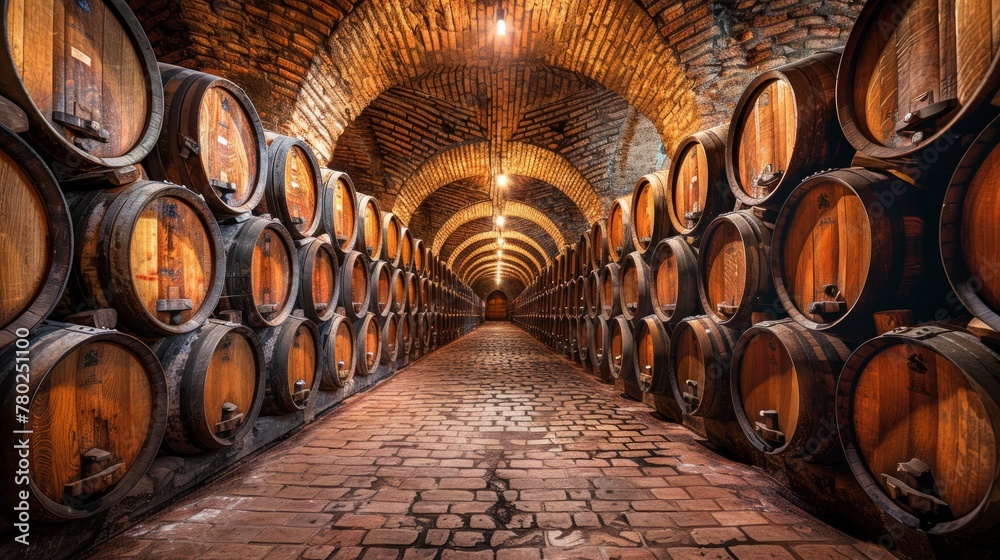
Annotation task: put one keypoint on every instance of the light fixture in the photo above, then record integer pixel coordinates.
(501, 181)
(499, 252)
(501, 23)
(501, 220)
(500, 241)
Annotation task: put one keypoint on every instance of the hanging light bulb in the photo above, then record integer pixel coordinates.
(500, 252)
(501, 23)
(500, 241)
(501, 181)
(501, 220)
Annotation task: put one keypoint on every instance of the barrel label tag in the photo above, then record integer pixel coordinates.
(90, 374)
(917, 365)
(81, 56)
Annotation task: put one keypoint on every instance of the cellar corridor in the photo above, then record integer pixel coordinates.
(493, 447)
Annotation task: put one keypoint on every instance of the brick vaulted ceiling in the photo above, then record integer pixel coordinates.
(423, 104)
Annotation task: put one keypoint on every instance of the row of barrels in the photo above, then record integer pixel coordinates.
(762, 281)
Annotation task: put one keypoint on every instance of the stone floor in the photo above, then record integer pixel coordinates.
(493, 447)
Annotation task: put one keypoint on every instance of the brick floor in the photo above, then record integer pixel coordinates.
(492, 448)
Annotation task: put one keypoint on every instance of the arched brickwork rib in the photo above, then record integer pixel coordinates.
(506, 267)
(491, 256)
(511, 249)
(508, 285)
(509, 236)
(485, 210)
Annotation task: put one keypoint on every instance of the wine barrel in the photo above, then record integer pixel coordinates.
(599, 244)
(369, 345)
(610, 291)
(915, 72)
(212, 141)
(85, 75)
(319, 288)
(839, 253)
(600, 347)
(919, 417)
(784, 128)
(572, 269)
(412, 282)
(650, 206)
(620, 229)
(262, 271)
(97, 416)
(215, 381)
(381, 287)
(419, 257)
(153, 252)
(428, 297)
(633, 287)
(734, 276)
(407, 333)
(397, 282)
(622, 349)
(355, 294)
(423, 331)
(340, 213)
(390, 339)
(592, 294)
(392, 234)
(337, 337)
(698, 187)
(673, 288)
(294, 356)
(37, 250)
(369, 227)
(406, 249)
(782, 381)
(293, 194)
(970, 228)
(585, 338)
(701, 352)
(584, 254)
(651, 357)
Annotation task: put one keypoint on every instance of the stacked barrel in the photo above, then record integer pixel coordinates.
(776, 281)
(242, 278)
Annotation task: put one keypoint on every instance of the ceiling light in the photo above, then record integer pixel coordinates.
(501, 181)
(501, 23)
(499, 240)
(501, 220)
(499, 252)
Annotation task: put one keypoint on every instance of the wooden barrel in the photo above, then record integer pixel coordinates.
(390, 339)
(734, 276)
(585, 338)
(355, 294)
(97, 416)
(262, 271)
(600, 347)
(337, 336)
(369, 344)
(622, 349)
(599, 244)
(85, 75)
(914, 72)
(392, 235)
(620, 229)
(701, 352)
(782, 381)
(38, 238)
(412, 282)
(215, 381)
(397, 282)
(784, 128)
(319, 286)
(153, 252)
(419, 257)
(650, 206)
(592, 294)
(340, 213)
(294, 356)
(673, 288)
(406, 249)
(584, 254)
(651, 357)
(572, 262)
(369, 227)
(840, 253)
(697, 184)
(611, 305)
(428, 296)
(970, 228)
(293, 195)
(380, 276)
(919, 417)
(633, 287)
(212, 141)
(407, 333)
(423, 331)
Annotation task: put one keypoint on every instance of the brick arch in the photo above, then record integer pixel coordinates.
(485, 210)
(473, 159)
(515, 252)
(508, 235)
(489, 268)
(491, 260)
(382, 44)
(508, 285)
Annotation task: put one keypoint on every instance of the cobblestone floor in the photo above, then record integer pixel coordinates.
(492, 447)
